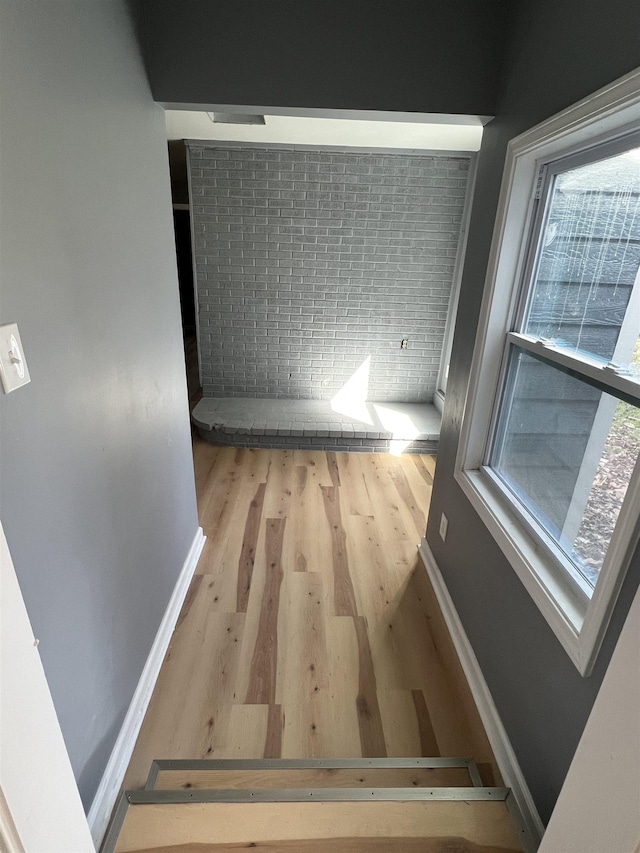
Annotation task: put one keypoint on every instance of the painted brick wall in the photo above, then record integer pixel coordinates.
(310, 262)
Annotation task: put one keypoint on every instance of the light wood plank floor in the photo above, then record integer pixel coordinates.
(310, 628)
(365, 827)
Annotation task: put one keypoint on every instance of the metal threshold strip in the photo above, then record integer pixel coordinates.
(304, 795)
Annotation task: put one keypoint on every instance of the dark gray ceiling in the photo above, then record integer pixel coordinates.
(434, 56)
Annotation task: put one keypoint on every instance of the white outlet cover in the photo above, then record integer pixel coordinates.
(14, 372)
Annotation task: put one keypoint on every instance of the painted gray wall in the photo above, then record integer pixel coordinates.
(311, 262)
(438, 56)
(98, 499)
(560, 52)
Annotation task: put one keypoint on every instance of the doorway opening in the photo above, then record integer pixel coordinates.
(319, 245)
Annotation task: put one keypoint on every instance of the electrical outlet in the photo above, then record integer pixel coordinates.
(14, 372)
(444, 525)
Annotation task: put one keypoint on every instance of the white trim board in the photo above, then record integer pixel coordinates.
(314, 112)
(447, 149)
(456, 284)
(498, 738)
(109, 787)
(40, 807)
(9, 838)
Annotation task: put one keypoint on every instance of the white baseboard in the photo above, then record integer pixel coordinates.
(498, 738)
(109, 788)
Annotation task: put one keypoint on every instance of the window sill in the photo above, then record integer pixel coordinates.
(565, 614)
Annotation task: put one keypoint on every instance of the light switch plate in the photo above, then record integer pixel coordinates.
(14, 372)
(444, 526)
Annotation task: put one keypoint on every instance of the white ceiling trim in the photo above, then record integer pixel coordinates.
(313, 130)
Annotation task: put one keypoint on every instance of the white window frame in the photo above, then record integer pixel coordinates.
(578, 622)
(452, 310)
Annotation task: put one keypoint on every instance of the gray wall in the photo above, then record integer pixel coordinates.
(97, 482)
(439, 56)
(310, 262)
(560, 52)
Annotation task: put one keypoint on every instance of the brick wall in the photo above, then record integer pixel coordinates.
(309, 262)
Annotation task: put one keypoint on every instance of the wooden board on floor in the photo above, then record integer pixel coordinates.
(344, 845)
(481, 826)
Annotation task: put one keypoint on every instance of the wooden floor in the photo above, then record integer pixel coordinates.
(364, 827)
(310, 628)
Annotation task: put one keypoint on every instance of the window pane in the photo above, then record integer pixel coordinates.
(586, 290)
(567, 451)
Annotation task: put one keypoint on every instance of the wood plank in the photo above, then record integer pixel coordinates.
(411, 631)
(220, 491)
(257, 465)
(339, 701)
(403, 487)
(308, 536)
(355, 495)
(334, 471)
(394, 522)
(227, 540)
(220, 576)
(249, 548)
(204, 457)
(262, 680)
(245, 734)
(302, 661)
(346, 845)
(419, 479)
(158, 827)
(312, 731)
(234, 731)
(222, 553)
(280, 484)
(175, 727)
(275, 726)
(342, 650)
(253, 615)
(381, 587)
(369, 719)
(450, 663)
(420, 463)
(428, 741)
(399, 510)
(376, 579)
(315, 461)
(344, 598)
(380, 777)
(190, 598)
(303, 676)
(400, 724)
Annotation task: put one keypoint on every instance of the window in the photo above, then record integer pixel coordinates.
(551, 437)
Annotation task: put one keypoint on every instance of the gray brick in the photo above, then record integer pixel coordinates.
(309, 261)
